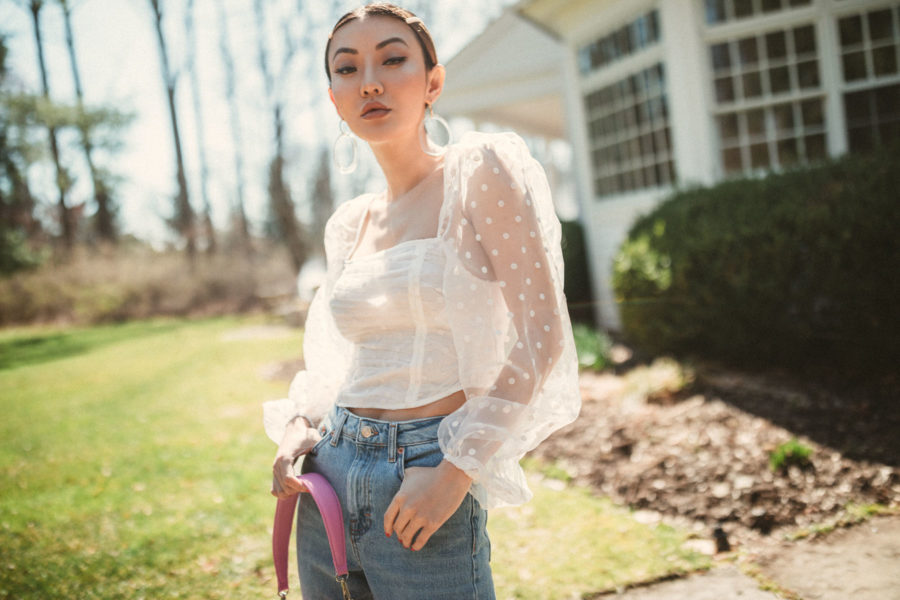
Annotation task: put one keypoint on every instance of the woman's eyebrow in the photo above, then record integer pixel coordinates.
(378, 46)
(392, 40)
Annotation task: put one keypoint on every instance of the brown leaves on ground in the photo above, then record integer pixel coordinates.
(702, 452)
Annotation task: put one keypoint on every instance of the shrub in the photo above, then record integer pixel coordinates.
(133, 283)
(795, 268)
(577, 280)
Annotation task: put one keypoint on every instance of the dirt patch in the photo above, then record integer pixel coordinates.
(696, 445)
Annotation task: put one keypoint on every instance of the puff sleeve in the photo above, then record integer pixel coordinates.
(504, 296)
(326, 352)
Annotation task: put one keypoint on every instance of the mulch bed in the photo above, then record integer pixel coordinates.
(701, 451)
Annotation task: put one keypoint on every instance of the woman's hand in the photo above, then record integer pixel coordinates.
(426, 499)
(299, 437)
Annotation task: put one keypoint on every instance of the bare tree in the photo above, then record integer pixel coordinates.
(104, 221)
(231, 94)
(63, 179)
(184, 214)
(322, 200)
(190, 61)
(279, 194)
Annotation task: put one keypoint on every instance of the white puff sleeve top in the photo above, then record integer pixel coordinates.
(480, 307)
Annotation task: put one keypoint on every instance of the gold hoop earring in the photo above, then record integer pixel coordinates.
(344, 138)
(430, 125)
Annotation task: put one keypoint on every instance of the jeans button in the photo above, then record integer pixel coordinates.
(367, 431)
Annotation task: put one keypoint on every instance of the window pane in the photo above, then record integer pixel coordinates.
(759, 156)
(787, 152)
(884, 60)
(808, 74)
(743, 8)
(715, 11)
(724, 90)
(653, 26)
(771, 5)
(748, 52)
(860, 139)
(784, 117)
(854, 66)
(794, 3)
(887, 102)
(728, 127)
(812, 113)
(881, 25)
(731, 160)
(889, 131)
(815, 146)
(779, 80)
(851, 30)
(858, 108)
(756, 122)
(776, 48)
(752, 85)
(721, 59)
(804, 40)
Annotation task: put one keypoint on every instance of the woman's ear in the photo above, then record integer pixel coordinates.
(435, 84)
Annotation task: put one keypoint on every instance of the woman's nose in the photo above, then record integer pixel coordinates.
(371, 86)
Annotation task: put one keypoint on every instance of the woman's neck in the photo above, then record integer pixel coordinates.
(404, 164)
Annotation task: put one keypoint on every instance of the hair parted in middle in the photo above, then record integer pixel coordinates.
(384, 9)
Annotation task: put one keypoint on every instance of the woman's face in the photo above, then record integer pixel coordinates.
(378, 80)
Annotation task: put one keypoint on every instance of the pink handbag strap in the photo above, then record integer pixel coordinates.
(330, 508)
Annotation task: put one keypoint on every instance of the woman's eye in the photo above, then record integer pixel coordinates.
(344, 70)
(395, 60)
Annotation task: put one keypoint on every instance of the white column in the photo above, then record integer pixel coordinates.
(687, 84)
(576, 123)
(831, 72)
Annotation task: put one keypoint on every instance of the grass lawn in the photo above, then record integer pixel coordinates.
(133, 464)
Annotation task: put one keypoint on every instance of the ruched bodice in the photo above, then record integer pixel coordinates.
(390, 305)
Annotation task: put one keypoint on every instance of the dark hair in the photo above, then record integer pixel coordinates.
(383, 9)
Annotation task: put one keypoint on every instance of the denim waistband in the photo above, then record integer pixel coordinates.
(376, 432)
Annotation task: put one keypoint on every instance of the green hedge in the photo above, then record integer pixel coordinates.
(798, 268)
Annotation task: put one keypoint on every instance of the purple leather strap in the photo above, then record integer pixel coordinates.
(330, 508)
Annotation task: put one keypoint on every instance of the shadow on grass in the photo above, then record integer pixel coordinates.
(20, 351)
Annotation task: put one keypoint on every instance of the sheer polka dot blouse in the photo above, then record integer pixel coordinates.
(489, 291)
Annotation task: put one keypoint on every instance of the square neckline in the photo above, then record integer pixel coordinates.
(436, 238)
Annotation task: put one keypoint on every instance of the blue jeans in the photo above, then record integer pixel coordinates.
(364, 460)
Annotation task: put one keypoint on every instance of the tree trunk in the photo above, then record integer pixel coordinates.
(62, 178)
(104, 223)
(184, 214)
(231, 95)
(279, 194)
(208, 230)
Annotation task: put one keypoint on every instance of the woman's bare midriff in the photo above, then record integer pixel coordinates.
(438, 408)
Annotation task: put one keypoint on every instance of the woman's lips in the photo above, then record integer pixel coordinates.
(376, 113)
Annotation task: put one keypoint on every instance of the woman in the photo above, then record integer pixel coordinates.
(439, 350)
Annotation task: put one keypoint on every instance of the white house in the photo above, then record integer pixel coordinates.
(653, 94)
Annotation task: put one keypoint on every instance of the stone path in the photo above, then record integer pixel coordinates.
(858, 563)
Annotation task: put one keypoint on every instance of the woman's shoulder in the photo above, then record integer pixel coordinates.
(506, 150)
(347, 215)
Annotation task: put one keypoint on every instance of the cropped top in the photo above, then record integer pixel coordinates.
(480, 307)
(390, 306)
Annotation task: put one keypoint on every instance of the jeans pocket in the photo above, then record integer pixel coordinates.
(325, 439)
(418, 455)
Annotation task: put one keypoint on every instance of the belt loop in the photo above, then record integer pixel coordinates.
(392, 442)
(339, 426)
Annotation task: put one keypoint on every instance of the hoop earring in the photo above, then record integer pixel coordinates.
(347, 136)
(433, 121)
